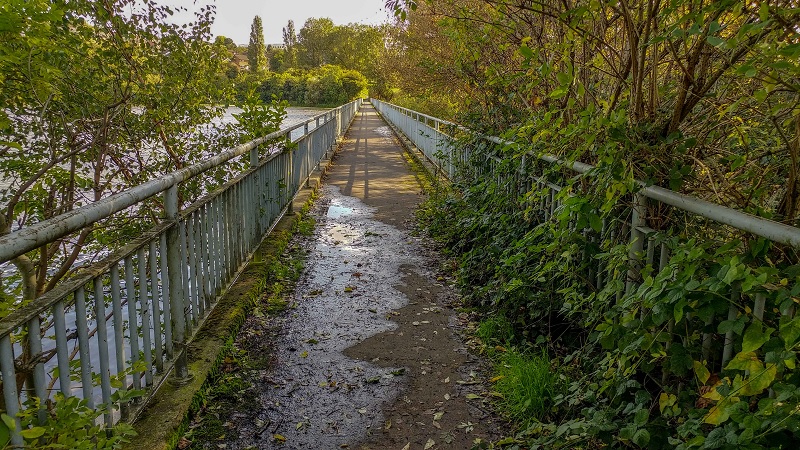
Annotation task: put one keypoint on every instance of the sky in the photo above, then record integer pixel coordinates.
(234, 17)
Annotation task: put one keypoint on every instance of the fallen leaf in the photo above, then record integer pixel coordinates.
(447, 396)
(429, 444)
(279, 438)
(407, 447)
(388, 424)
(496, 379)
(362, 411)
(184, 443)
(373, 380)
(304, 355)
(438, 416)
(473, 397)
(466, 426)
(349, 289)
(399, 371)
(446, 380)
(312, 341)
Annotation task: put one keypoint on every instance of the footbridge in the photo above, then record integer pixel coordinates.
(124, 323)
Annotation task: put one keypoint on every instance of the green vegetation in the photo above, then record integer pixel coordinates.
(70, 424)
(699, 97)
(322, 65)
(528, 385)
(256, 50)
(98, 97)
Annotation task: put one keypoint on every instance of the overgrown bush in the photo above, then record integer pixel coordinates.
(683, 95)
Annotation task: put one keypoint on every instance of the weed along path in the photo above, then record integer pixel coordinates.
(366, 354)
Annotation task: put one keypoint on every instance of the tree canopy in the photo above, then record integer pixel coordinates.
(256, 50)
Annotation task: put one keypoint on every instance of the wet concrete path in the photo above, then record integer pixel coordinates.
(367, 357)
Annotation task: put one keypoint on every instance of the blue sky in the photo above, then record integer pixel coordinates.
(234, 17)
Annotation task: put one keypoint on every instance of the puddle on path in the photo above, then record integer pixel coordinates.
(314, 396)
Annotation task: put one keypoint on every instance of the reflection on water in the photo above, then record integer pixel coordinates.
(294, 116)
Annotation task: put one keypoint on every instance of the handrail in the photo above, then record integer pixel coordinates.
(647, 248)
(758, 226)
(38, 234)
(147, 299)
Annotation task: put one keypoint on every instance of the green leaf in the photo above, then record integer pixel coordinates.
(715, 41)
(9, 421)
(721, 411)
(596, 222)
(641, 438)
(5, 434)
(701, 372)
(790, 331)
(32, 433)
(759, 381)
(755, 337)
(641, 417)
(745, 361)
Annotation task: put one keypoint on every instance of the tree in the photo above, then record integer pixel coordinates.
(256, 50)
(290, 43)
(315, 42)
(701, 97)
(85, 95)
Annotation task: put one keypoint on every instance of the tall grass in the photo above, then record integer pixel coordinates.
(527, 381)
(528, 384)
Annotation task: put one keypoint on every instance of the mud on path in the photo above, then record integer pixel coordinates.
(367, 356)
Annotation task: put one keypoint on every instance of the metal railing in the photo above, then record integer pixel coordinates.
(151, 295)
(648, 248)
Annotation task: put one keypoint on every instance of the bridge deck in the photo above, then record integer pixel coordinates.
(368, 356)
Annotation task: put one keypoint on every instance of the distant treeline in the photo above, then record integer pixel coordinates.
(322, 86)
(321, 65)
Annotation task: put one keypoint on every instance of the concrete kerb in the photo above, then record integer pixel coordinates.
(169, 409)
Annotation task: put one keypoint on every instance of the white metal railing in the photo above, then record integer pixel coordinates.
(648, 247)
(151, 295)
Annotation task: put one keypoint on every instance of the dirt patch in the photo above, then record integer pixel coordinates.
(367, 354)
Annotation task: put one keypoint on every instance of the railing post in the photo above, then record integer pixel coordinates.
(290, 184)
(180, 375)
(10, 387)
(254, 157)
(637, 240)
(309, 148)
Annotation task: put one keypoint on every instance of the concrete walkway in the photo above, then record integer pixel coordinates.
(368, 357)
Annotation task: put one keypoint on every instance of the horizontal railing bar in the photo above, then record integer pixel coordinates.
(38, 234)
